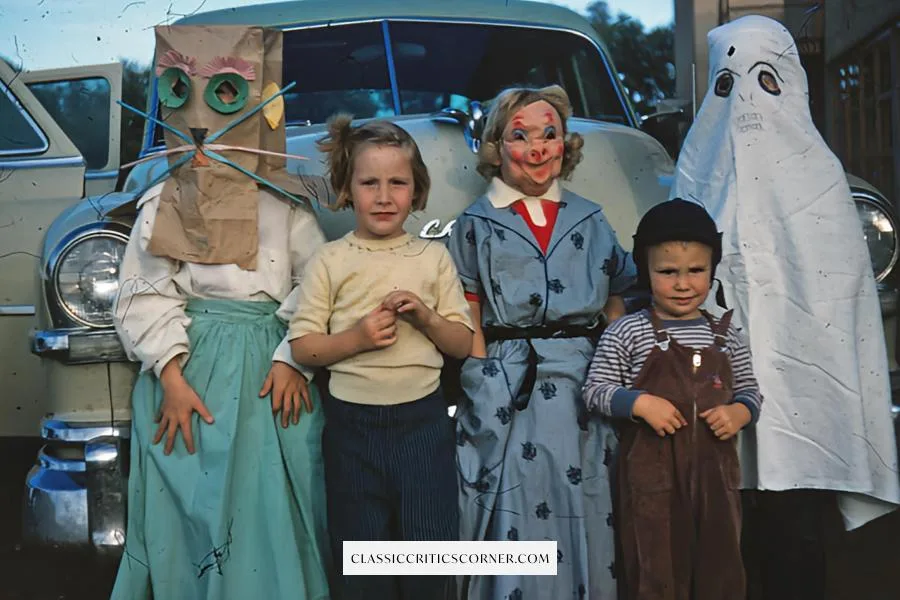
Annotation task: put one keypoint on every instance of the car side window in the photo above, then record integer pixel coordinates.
(19, 134)
(81, 108)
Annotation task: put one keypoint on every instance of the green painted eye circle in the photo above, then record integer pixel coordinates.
(174, 88)
(227, 93)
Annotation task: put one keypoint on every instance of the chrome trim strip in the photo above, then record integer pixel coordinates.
(28, 118)
(51, 462)
(39, 163)
(392, 70)
(79, 346)
(44, 342)
(100, 453)
(861, 196)
(55, 429)
(17, 310)
(101, 174)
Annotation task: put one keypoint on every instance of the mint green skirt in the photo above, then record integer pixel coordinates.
(245, 515)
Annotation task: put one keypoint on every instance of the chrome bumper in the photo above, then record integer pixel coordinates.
(76, 493)
(78, 346)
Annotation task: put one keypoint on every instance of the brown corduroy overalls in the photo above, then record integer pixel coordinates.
(678, 502)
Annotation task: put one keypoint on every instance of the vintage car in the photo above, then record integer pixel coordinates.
(427, 64)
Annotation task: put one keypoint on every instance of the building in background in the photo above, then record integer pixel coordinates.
(851, 52)
(862, 57)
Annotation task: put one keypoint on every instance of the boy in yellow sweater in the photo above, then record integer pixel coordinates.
(377, 308)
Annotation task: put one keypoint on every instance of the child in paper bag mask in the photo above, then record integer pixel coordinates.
(234, 506)
(539, 265)
(796, 270)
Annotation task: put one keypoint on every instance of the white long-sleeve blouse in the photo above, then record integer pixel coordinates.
(149, 312)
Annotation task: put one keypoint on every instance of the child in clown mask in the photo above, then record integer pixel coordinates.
(540, 266)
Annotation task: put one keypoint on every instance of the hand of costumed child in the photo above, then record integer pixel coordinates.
(726, 420)
(288, 387)
(410, 308)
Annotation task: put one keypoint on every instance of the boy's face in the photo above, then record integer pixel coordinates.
(532, 149)
(679, 278)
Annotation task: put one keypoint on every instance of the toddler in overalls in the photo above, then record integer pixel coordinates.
(681, 385)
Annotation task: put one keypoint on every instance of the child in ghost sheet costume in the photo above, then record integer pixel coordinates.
(796, 270)
(227, 503)
(540, 266)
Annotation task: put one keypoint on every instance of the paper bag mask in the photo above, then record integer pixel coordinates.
(219, 90)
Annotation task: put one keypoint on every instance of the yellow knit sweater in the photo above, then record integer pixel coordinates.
(348, 278)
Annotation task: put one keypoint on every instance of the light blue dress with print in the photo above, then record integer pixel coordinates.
(531, 465)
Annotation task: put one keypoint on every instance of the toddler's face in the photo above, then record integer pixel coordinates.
(382, 190)
(679, 278)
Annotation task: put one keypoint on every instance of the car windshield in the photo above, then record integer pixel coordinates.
(345, 68)
(438, 65)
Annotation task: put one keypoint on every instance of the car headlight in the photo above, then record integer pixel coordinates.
(881, 236)
(86, 277)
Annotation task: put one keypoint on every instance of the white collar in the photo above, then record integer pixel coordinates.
(501, 195)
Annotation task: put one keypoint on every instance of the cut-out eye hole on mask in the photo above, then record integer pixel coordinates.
(724, 83)
(768, 82)
(226, 93)
(173, 88)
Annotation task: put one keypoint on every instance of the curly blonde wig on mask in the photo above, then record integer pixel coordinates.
(504, 106)
(344, 142)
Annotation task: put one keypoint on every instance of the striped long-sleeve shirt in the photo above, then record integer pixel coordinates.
(624, 348)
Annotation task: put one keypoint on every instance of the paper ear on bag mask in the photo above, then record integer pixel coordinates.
(211, 82)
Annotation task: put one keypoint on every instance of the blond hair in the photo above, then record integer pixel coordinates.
(502, 109)
(344, 142)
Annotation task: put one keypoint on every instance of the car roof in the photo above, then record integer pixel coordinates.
(299, 13)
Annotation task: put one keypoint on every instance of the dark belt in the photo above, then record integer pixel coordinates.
(541, 332)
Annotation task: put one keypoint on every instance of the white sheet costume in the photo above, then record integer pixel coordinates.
(797, 271)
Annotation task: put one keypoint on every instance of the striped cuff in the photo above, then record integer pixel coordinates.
(751, 406)
(622, 403)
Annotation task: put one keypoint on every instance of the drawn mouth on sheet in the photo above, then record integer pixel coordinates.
(749, 121)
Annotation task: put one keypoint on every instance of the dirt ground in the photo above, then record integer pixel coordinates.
(861, 565)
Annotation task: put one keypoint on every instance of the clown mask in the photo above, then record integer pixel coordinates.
(532, 148)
